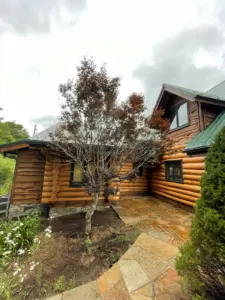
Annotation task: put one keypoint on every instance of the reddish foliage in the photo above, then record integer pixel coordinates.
(136, 102)
(157, 121)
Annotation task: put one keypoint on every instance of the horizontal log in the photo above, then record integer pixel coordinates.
(174, 198)
(25, 201)
(21, 197)
(194, 166)
(178, 185)
(191, 182)
(21, 178)
(192, 177)
(178, 195)
(33, 189)
(169, 188)
(30, 172)
(194, 172)
(174, 156)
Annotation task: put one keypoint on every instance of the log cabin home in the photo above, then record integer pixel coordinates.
(195, 118)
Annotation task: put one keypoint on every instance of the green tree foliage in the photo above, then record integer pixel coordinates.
(202, 259)
(9, 132)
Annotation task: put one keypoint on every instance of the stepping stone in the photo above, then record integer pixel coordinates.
(108, 279)
(144, 293)
(152, 265)
(133, 253)
(87, 291)
(56, 297)
(133, 274)
(156, 247)
(117, 292)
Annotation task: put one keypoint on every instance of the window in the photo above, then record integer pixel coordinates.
(76, 175)
(174, 170)
(179, 116)
(139, 170)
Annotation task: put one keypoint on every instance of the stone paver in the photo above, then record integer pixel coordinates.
(87, 291)
(152, 265)
(56, 297)
(156, 246)
(146, 271)
(109, 279)
(133, 275)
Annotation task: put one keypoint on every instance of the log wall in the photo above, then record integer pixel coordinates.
(57, 189)
(188, 191)
(28, 177)
(138, 187)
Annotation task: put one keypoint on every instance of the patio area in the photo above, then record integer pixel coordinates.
(146, 271)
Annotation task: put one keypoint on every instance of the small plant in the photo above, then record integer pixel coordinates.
(113, 259)
(120, 238)
(88, 242)
(137, 232)
(9, 287)
(17, 236)
(71, 284)
(59, 285)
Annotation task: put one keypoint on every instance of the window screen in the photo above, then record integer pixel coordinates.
(174, 172)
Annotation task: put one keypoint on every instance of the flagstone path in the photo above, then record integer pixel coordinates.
(146, 271)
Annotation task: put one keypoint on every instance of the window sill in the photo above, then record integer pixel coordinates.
(181, 181)
(178, 128)
(76, 184)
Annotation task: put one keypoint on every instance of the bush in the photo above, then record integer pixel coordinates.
(202, 259)
(17, 236)
(7, 166)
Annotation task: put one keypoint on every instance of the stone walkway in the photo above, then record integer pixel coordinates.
(146, 271)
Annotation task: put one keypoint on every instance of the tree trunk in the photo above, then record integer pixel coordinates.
(89, 215)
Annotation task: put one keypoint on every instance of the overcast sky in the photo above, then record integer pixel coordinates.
(147, 42)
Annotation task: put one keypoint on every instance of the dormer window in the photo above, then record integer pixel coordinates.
(179, 116)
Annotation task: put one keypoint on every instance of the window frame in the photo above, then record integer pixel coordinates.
(167, 165)
(176, 108)
(140, 170)
(74, 183)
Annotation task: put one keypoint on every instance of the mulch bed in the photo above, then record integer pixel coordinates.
(65, 253)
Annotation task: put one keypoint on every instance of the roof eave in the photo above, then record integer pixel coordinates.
(210, 100)
(15, 146)
(172, 91)
(197, 150)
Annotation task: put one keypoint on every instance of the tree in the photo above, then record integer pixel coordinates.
(12, 132)
(9, 132)
(101, 134)
(202, 259)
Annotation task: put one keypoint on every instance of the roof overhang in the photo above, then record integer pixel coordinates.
(15, 146)
(172, 91)
(197, 97)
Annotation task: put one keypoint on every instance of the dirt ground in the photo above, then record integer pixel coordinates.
(64, 261)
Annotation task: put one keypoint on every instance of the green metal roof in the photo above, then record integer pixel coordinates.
(216, 93)
(204, 139)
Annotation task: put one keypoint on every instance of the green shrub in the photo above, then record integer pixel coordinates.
(17, 236)
(202, 259)
(7, 166)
